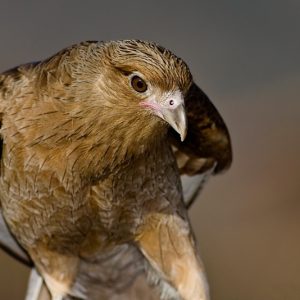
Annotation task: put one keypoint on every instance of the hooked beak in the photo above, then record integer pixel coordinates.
(177, 119)
(171, 110)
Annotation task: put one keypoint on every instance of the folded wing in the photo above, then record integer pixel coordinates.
(207, 147)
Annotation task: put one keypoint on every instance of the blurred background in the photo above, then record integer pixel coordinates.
(246, 56)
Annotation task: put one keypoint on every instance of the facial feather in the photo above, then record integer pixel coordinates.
(98, 80)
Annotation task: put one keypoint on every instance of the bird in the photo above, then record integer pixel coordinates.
(94, 141)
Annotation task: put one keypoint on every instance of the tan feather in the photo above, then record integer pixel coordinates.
(89, 184)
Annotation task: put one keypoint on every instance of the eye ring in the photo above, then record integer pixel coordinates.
(138, 84)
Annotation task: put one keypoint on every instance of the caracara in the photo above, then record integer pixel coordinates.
(94, 141)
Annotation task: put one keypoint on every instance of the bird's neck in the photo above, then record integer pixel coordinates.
(121, 142)
(93, 145)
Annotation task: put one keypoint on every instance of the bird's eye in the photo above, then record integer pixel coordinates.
(138, 84)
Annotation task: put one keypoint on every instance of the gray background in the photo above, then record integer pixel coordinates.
(246, 57)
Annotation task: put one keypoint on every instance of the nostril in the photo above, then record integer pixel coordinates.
(171, 102)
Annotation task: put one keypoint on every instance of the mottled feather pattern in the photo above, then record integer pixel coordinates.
(207, 142)
(90, 186)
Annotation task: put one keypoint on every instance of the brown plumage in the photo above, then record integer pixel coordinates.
(90, 187)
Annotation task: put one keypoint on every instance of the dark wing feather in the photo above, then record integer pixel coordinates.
(207, 147)
(207, 141)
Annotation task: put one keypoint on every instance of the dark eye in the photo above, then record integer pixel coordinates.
(138, 84)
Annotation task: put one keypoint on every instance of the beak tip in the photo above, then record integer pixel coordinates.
(183, 136)
(177, 119)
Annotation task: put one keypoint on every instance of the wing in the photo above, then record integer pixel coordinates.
(9, 80)
(207, 147)
(9, 244)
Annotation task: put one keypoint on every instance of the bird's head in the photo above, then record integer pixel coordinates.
(147, 79)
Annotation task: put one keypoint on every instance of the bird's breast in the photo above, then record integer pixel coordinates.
(44, 206)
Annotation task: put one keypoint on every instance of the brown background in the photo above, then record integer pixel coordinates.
(246, 56)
